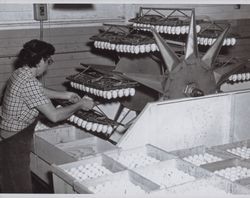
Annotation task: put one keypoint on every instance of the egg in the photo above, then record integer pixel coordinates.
(205, 42)
(161, 29)
(91, 90)
(104, 94)
(75, 119)
(228, 41)
(165, 29)
(148, 48)
(198, 28)
(109, 95)
(114, 93)
(183, 29)
(104, 128)
(187, 29)
(142, 48)
(71, 84)
(178, 30)
(110, 129)
(94, 126)
(126, 91)
(112, 46)
(173, 30)
(95, 44)
(79, 122)
(71, 119)
(88, 126)
(201, 40)
(87, 89)
(153, 47)
(132, 49)
(224, 42)
(233, 41)
(210, 41)
(99, 128)
(84, 123)
(131, 91)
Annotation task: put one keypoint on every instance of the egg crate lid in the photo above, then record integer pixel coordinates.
(90, 116)
(102, 82)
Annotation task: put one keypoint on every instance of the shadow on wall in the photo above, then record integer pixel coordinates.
(73, 6)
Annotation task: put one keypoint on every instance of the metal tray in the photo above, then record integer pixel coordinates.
(156, 172)
(201, 150)
(133, 155)
(100, 160)
(212, 185)
(233, 145)
(128, 176)
(228, 164)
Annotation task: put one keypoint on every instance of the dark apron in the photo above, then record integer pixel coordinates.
(15, 162)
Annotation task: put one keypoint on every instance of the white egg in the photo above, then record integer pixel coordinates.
(110, 129)
(205, 42)
(126, 91)
(187, 29)
(183, 29)
(121, 48)
(247, 76)
(104, 128)
(132, 91)
(173, 31)
(120, 93)
(224, 42)
(71, 84)
(71, 119)
(94, 126)
(157, 28)
(233, 41)
(89, 125)
(161, 29)
(112, 46)
(198, 28)
(91, 90)
(99, 128)
(201, 40)
(132, 49)
(95, 44)
(114, 93)
(87, 89)
(75, 119)
(153, 47)
(178, 30)
(210, 41)
(117, 48)
(228, 41)
(104, 95)
(165, 29)
(79, 122)
(148, 48)
(109, 94)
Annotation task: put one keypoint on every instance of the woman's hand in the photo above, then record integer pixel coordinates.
(73, 97)
(87, 103)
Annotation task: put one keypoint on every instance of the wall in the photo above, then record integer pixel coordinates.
(70, 26)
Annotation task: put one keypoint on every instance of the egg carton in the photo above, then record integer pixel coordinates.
(201, 155)
(121, 183)
(239, 149)
(212, 185)
(172, 172)
(140, 156)
(87, 169)
(232, 169)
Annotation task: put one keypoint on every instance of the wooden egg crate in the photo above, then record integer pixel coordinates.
(210, 31)
(204, 186)
(87, 169)
(121, 183)
(172, 172)
(140, 156)
(234, 170)
(201, 155)
(172, 21)
(92, 121)
(103, 85)
(239, 149)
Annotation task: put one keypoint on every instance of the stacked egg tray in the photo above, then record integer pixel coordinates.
(235, 170)
(201, 155)
(92, 121)
(239, 149)
(103, 85)
(205, 186)
(133, 43)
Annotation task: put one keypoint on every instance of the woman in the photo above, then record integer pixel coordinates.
(23, 99)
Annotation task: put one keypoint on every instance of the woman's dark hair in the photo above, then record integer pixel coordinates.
(33, 51)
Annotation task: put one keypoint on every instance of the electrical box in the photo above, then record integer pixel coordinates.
(40, 12)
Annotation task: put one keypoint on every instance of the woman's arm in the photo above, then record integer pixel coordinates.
(62, 113)
(71, 96)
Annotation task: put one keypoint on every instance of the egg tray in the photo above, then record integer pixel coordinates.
(181, 165)
(101, 81)
(228, 163)
(90, 116)
(102, 160)
(148, 149)
(232, 145)
(201, 150)
(127, 175)
(215, 182)
(128, 39)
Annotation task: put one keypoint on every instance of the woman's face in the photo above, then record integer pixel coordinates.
(43, 66)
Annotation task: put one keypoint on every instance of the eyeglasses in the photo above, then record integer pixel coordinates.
(49, 60)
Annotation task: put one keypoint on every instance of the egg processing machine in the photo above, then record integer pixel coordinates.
(163, 129)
